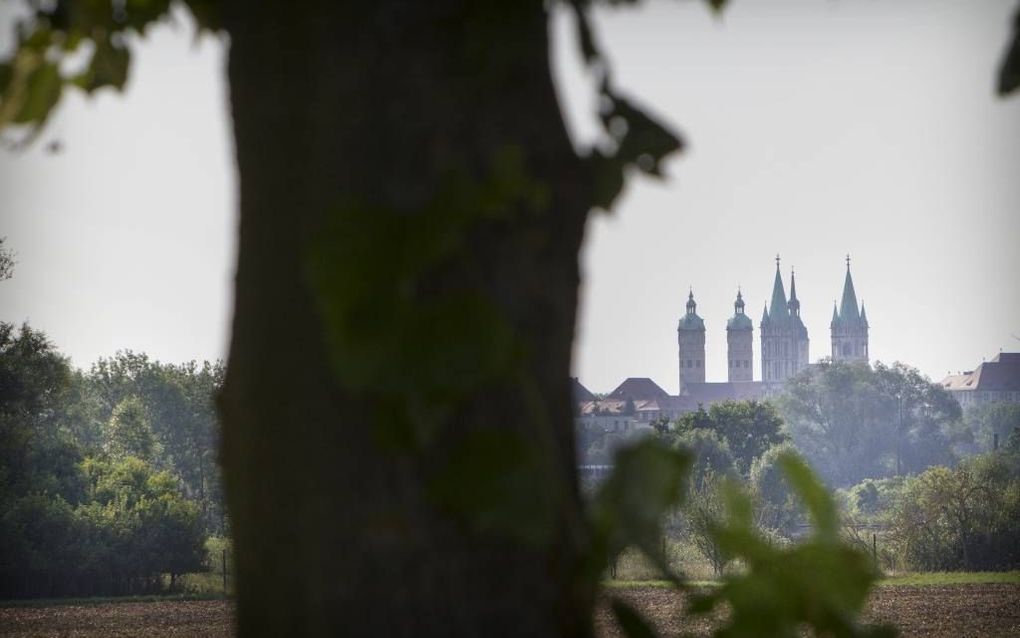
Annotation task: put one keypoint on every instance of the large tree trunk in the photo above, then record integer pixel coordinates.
(335, 531)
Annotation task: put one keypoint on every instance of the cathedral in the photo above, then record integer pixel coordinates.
(784, 337)
(783, 352)
(638, 403)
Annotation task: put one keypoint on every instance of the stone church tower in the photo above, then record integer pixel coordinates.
(690, 335)
(784, 338)
(739, 331)
(849, 327)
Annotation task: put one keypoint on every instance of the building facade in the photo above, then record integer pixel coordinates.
(690, 336)
(739, 344)
(995, 381)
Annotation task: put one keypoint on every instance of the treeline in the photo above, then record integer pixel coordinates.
(902, 459)
(108, 477)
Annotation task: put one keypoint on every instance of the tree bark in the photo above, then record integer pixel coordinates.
(335, 533)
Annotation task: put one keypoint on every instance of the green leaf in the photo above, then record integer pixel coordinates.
(42, 92)
(816, 499)
(109, 67)
(630, 621)
(648, 481)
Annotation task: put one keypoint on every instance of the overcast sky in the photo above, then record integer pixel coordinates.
(816, 128)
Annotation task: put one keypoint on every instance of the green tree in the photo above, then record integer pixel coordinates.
(6, 261)
(128, 433)
(143, 525)
(854, 422)
(703, 513)
(775, 500)
(712, 456)
(36, 451)
(963, 518)
(992, 419)
(749, 428)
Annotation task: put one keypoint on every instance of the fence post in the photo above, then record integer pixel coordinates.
(224, 572)
(874, 548)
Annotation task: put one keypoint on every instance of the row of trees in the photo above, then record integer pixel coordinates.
(108, 478)
(895, 444)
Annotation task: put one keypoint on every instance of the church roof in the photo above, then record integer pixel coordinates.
(739, 320)
(778, 309)
(848, 305)
(638, 389)
(691, 320)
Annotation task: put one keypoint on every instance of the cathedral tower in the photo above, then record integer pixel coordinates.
(849, 327)
(739, 331)
(690, 334)
(784, 338)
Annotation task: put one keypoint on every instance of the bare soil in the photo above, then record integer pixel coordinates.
(955, 611)
(176, 618)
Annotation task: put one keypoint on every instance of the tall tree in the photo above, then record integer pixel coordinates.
(854, 422)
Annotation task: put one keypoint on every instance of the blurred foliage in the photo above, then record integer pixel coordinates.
(819, 584)
(82, 44)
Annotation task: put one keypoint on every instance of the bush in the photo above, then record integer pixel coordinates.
(967, 518)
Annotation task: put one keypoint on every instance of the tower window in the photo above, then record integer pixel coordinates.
(698, 363)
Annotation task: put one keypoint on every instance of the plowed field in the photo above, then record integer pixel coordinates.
(953, 610)
(950, 610)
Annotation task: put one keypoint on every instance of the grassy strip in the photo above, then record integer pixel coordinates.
(929, 579)
(659, 584)
(924, 579)
(105, 600)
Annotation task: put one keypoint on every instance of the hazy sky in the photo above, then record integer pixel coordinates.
(815, 128)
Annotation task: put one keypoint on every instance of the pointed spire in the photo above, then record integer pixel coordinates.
(778, 308)
(794, 304)
(848, 306)
(864, 315)
(835, 315)
(738, 305)
(691, 304)
(764, 314)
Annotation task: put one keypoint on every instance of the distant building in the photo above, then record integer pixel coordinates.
(639, 401)
(739, 344)
(849, 327)
(690, 336)
(993, 381)
(784, 338)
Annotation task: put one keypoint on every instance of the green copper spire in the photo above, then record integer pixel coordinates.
(778, 310)
(835, 315)
(848, 306)
(794, 304)
(691, 321)
(739, 320)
